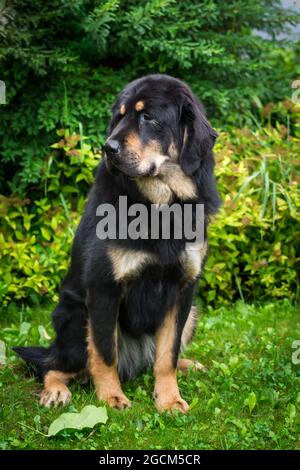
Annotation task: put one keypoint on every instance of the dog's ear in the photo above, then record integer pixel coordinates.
(198, 137)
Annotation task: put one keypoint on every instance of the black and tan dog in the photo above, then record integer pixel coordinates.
(125, 304)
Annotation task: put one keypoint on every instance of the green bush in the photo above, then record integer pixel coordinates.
(37, 232)
(252, 239)
(64, 62)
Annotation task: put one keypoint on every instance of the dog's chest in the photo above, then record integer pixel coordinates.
(128, 264)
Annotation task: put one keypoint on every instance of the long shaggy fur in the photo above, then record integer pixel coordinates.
(165, 150)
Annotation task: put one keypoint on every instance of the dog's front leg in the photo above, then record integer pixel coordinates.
(168, 339)
(103, 309)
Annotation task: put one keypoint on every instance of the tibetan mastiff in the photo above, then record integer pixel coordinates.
(126, 304)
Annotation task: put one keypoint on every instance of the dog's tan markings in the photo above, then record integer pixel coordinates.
(134, 145)
(192, 258)
(189, 328)
(180, 184)
(105, 378)
(185, 135)
(152, 158)
(172, 151)
(152, 147)
(154, 190)
(171, 182)
(166, 392)
(139, 106)
(187, 335)
(145, 156)
(55, 390)
(127, 264)
(122, 109)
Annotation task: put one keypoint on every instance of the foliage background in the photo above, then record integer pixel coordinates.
(63, 63)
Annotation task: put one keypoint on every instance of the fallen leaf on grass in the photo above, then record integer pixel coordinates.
(88, 417)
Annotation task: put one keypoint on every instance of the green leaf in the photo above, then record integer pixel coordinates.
(250, 401)
(54, 224)
(291, 409)
(88, 417)
(266, 195)
(247, 182)
(46, 234)
(24, 328)
(44, 336)
(273, 204)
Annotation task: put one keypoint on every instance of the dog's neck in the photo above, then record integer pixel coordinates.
(170, 183)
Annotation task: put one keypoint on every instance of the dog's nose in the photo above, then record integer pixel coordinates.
(112, 148)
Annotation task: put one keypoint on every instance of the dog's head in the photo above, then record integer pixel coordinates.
(156, 119)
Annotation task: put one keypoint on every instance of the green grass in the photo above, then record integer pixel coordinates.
(248, 351)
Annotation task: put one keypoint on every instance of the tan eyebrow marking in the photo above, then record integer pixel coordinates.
(139, 105)
(122, 109)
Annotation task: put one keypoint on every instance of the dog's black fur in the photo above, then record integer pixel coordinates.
(171, 115)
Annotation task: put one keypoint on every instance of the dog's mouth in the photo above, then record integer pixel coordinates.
(134, 167)
(112, 168)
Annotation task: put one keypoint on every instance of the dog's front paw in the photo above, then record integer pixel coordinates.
(165, 402)
(115, 400)
(55, 396)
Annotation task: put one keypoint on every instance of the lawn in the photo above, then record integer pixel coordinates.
(249, 398)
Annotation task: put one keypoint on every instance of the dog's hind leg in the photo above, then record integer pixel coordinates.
(55, 390)
(187, 335)
(67, 355)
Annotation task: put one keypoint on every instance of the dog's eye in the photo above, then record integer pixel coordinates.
(147, 117)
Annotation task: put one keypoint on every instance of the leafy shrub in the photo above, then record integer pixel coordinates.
(38, 231)
(252, 239)
(64, 61)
